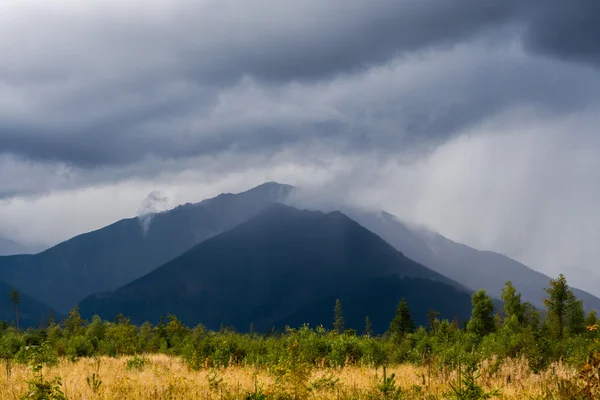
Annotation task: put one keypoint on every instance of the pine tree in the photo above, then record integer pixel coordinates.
(563, 309)
(591, 319)
(51, 319)
(433, 319)
(15, 297)
(368, 327)
(531, 316)
(512, 302)
(403, 322)
(73, 323)
(338, 317)
(576, 317)
(482, 317)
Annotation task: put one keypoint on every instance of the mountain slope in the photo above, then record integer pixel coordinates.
(279, 264)
(117, 254)
(31, 311)
(473, 268)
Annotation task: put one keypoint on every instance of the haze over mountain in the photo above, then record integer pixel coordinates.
(10, 247)
(119, 253)
(286, 266)
(473, 268)
(124, 251)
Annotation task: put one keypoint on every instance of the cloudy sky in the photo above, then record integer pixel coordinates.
(479, 119)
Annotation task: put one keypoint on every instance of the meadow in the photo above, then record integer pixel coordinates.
(166, 377)
(515, 353)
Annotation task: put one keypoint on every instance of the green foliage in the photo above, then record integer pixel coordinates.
(387, 388)
(258, 393)
(36, 357)
(79, 346)
(10, 344)
(338, 317)
(368, 331)
(433, 320)
(215, 380)
(73, 323)
(482, 318)
(324, 383)
(15, 298)
(403, 322)
(137, 363)
(591, 319)
(466, 387)
(563, 309)
(512, 303)
(94, 383)
(291, 356)
(44, 390)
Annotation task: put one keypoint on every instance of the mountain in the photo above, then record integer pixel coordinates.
(474, 268)
(31, 311)
(119, 253)
(285, 266)
(8, 247)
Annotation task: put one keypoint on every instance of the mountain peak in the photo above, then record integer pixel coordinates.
(112, 256)
(271, 188)
(277, 267)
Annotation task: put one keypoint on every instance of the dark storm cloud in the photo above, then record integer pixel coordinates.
(316, 39)
(111, 87)
(565, 29)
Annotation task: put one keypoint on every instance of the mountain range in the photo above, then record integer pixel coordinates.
(179, 261)
(119, 253)
(286, 266)
(474, 268)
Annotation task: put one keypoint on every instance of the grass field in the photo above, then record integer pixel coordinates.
(163, 377)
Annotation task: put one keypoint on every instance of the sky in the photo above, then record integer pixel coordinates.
(478, 119)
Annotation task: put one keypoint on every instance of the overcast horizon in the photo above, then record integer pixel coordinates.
(476, 119)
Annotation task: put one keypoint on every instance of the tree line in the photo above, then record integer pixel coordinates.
(562, 330)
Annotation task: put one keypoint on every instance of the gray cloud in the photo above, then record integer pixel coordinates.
(474, 117)
(110, 85)
(564, 29)
(155, 202)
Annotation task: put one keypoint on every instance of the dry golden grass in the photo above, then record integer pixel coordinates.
(169, 378)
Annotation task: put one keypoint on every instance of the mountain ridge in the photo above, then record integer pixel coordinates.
(269, 268)
(116, 254)
(474, 268)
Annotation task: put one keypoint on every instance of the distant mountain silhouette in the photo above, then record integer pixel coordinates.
(9, 247)
(117, 254)
(32, 313)
(474, 268)
(285, 266)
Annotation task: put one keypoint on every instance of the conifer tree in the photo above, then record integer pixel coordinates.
(576, 317)
(531, 316)
(15, 297)
(563, 309)
(73, 323)
(512, 302)
(482, 317)
(338, 317)
(591, 319)
(368, 327)
(433, 319)
(403, 322)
